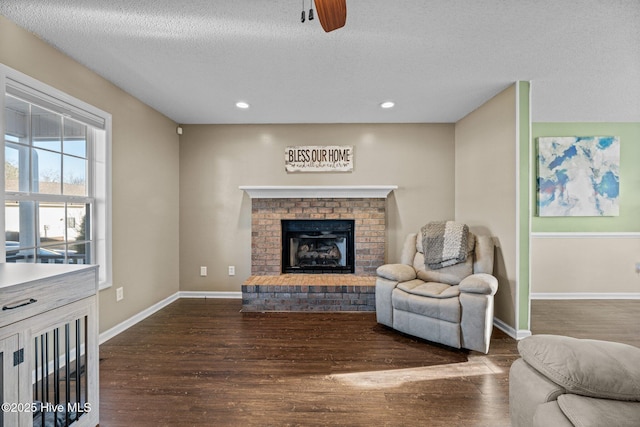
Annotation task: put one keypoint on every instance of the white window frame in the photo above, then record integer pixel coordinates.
(100, 167)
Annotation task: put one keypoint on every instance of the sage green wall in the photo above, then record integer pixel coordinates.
(215, 216)
(145, 164)
(590, 257)
(629, 218)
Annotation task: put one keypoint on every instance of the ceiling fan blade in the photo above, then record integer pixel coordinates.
(332, 13)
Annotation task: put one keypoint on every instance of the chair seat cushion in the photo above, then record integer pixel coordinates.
(592, 368)
(446, 309)
(429, 289)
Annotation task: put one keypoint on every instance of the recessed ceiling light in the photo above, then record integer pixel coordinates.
(387, 104)
(242, 105)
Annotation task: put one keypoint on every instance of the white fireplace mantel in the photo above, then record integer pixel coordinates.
(318, 191)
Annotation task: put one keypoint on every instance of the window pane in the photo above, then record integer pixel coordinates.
(46, 129)
(19, 231)
(12, 222)
(76, 225)
(76, 147)
(75, 138)
(19, 218)
(50, 255)
(21, 255)
(11, 168)
(79, 254)
(75, 176)
(47, 167)
(52, 223)
(64, 254)
(16, 114)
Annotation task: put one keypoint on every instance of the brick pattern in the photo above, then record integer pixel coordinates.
(309, 292)
(369, 215)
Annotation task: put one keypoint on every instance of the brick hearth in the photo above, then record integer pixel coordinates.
(309, 292)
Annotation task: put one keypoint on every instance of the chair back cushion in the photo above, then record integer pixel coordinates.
(483, 255)
(451, 275)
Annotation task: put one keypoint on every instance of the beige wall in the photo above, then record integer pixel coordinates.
(598, 265)
(215, 217)
(145, 175)
(485, 187)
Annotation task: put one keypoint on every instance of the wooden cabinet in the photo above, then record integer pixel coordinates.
(49, 345)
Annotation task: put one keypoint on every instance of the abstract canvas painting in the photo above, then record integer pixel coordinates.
(578, 176)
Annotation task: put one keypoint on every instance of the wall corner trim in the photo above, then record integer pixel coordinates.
(509, 330)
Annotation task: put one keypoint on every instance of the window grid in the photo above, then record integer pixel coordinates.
(32, 243)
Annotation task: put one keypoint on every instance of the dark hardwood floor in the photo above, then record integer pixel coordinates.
(201, 362)
(609, 320)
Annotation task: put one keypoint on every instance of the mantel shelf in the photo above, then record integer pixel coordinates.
(318, 191)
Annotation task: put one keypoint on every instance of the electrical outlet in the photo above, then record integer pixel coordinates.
(203, 271)
(119, 294)
(232, 270)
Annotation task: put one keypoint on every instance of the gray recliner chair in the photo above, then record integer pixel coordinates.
(452, 305)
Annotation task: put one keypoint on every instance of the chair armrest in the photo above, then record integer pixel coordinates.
(479, 283)
(397, 272)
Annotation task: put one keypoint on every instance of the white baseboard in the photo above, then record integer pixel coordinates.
(583, 295)
(585, 235)
(123, 326)
(210, 294)
(509, 330)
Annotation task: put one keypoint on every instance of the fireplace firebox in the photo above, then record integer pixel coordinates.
(318, 246)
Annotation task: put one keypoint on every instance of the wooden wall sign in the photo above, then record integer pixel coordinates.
(329, 158)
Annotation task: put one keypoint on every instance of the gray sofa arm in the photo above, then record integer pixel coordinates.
(397, 272)
(565, 381)
(479, 283)
(592, 368)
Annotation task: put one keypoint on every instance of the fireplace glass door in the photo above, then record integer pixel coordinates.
(317, 246)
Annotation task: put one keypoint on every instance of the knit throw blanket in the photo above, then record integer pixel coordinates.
(444, 243)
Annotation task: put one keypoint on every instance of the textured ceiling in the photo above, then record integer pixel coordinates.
(437, 59)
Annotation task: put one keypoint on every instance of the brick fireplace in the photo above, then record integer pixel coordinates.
(365, 205)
